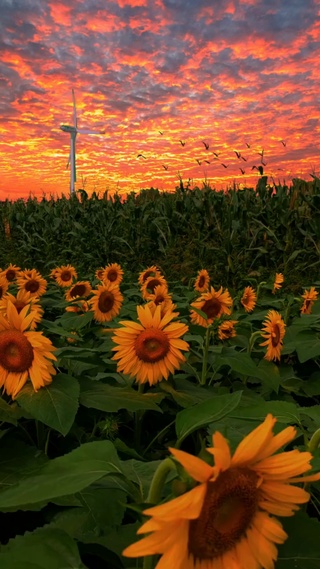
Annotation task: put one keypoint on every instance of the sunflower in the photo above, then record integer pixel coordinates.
(10, 273)
(226, 329)
(213, 303)
(274, 331)
(149, 285)
(249, 299)
(106, 302)
(32, 282)
(23, 354)
(309, 296)
(279, 278)
(65, 275)
(225, 521)
(161, 297)
(53, 273)
(202, 281)
(80, 288)
(79, 306)
(3, 286)
(22, 299)
(113, 274)
(149, 272)
(99, 274)
(149, 351)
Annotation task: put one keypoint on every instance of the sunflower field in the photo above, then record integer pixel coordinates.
(160, 380)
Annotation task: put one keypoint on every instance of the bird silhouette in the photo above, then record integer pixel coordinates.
(182, 142)
(207, 161)
(283, 142)
(206, 145)
(243, 158)
(216, 154)
(247, 145)
(238, 154)
(224, 165)
(242, 171)
(165, 167)
(160, 132)
(141, 155)
(199, 162)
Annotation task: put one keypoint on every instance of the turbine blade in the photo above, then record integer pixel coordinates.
(86, 131)
(74, 109)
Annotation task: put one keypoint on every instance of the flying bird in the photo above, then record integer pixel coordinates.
(238, 154)
(206, 145)
(141, 155)
(243, 158)
(283, 142)
(199, 162)
(247, 145)
(242, 171)
(165, 167)
(216, 154)
(207, 161)
(182, 143)
(160, 132)
(224, 165)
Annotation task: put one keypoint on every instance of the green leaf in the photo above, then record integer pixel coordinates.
(18, 461)
(307, 345)
(45, 548)
(238, 361)
(284, 411)
(108, 398)
(54, 405)
(8, 413)
(186, 393)
(64, 475)
(202, 414)
(301, 550)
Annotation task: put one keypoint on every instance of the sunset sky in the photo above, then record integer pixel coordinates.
(161, 78)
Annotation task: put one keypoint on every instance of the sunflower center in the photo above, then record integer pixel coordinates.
(159, 299)
(275, 335)
(66, 276)
(10, 275)
(152, 283)
(202, 281)
(228, 509)
(32, 285)
(152, 345)
(16, 352)
(112, 275)
(211, 307)
(78, 290)
(106, 301)
(245, 299)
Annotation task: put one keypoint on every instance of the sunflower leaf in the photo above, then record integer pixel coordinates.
(301, 550)
(204, 413)
(54, 405)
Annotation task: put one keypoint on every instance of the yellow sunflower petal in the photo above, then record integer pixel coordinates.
(197, 468)
(250, 447)
(187, 506)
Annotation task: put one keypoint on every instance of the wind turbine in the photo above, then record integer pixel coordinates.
(74, 130)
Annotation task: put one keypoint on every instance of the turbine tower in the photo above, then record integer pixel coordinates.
(73, 131)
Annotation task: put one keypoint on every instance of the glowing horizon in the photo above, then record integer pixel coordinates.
(161, 77)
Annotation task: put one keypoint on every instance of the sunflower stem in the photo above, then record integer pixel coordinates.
(203, 378)
(260, 285)
(314, 442)
(252, 340)
(158, 480)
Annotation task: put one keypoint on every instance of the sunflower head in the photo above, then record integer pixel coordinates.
(20, 301)
(150, 284)
(249, 299)
(106, 302)
(152, 271)
(309, 296)
(99, 273)
(10, 273)
(113, 274)
(202, 281)
(65, 275)
(77, 290)
(227, 330)
(214, 304)
(24, 354)
(32, 282)
(274, 331)
(151, 349)
(228, 518)
(279, 278)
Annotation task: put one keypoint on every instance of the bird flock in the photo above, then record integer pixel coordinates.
(214, 157)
